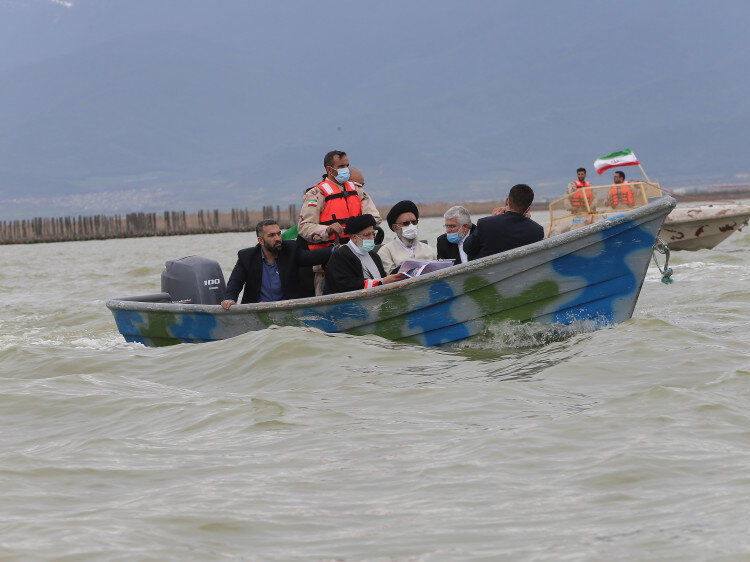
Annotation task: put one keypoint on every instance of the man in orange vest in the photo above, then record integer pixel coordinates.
(620, 194)
(575, 187)
(580, 182)
(327, 205)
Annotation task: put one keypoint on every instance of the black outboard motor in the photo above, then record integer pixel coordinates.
(194, 280)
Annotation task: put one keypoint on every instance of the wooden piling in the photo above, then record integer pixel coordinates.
(168, 223)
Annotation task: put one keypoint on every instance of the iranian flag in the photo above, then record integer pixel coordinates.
(615, 160)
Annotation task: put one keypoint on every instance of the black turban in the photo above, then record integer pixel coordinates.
(355, 225)
(399, 209)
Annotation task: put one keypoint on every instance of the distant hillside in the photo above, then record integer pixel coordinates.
(231, 112)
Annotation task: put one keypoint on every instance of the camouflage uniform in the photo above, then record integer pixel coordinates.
(309, 217)
(309, 226)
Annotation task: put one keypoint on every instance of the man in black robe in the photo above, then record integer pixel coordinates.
(356, 265)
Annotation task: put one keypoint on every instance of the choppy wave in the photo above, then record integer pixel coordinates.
(529, 442)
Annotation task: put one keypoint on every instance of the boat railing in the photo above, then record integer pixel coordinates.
(588, 205)
(155, 297)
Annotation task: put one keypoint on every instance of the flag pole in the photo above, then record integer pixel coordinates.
(644, 173)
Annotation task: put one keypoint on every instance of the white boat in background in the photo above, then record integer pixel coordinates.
(703, 227)
(685, 228)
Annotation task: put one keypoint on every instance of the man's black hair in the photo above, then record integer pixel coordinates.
(581, 170)
(328, 158)
(521, 197)
(261, 224)
(621, 173)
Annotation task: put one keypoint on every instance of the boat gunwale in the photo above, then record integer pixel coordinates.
(655, 207)
(706, 219)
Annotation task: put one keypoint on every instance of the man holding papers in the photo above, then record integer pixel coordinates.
(403, 219)
(356, 265)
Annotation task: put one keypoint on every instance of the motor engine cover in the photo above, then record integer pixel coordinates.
(193, 279)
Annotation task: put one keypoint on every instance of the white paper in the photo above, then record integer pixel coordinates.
(412, 268)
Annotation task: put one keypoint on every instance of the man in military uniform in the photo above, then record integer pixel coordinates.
(327, 205)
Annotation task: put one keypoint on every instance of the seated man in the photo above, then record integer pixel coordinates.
(620, 195)
(503, 232)
(356, 265)
(458, 226)
(403, 219)
(268, 271)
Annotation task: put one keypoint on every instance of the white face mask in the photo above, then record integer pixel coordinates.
(410, 232)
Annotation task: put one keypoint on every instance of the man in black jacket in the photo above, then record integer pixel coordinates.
(507, 230)
(357, 265)
(268, 271)
(450, 246)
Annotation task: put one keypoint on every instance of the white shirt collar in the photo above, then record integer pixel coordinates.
(464, 257)
(407, 248)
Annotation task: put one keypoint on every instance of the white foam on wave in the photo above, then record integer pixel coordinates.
(36, 337)
(518, 335)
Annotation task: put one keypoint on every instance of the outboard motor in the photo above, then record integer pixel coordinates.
(193, 279)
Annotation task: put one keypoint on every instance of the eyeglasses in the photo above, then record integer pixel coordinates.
(367, 235)
(407, 223)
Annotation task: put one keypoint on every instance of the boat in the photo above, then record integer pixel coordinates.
(703, 227)
(685, 228)
(593, 273)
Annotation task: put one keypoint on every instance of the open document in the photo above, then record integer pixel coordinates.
(412, 268)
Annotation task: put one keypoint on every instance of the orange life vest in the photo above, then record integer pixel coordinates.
(621, 194)
(339, 205)
(576, 199)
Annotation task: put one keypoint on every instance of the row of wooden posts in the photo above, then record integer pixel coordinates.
(131, 225)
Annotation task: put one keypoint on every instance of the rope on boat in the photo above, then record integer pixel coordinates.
(666, 272)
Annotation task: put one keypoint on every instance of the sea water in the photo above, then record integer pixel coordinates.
(631, 442)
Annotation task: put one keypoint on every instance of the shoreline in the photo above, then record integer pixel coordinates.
(41, 230)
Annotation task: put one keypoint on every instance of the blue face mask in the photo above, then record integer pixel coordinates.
(368, 245)
(342, 175)
(454, 237)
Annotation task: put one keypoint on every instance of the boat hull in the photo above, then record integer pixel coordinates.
(703, 227)
(593, 273)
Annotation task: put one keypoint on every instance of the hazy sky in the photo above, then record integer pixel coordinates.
(434, 96)
(647, 37)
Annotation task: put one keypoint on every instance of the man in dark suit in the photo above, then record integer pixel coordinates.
(268, 271)
(508, 229)
(450, 246)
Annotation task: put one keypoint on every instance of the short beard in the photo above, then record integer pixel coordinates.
(270, 248)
